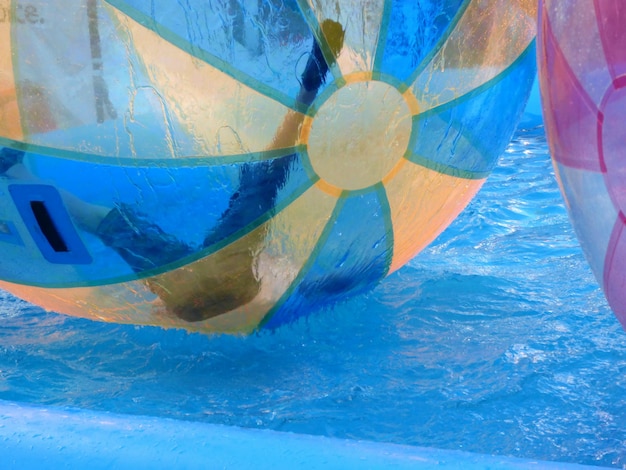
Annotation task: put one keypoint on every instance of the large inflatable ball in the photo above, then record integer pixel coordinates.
(230, 165)
(582, 65)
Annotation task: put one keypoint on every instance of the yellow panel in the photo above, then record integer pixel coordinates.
(207, 102)
(361, 20)
(260, 266)
(423, 202)
(10, 126)
(487, 39)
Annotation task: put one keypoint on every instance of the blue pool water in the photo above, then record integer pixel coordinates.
(495, 340)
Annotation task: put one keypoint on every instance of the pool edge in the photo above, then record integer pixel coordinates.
(52, 437)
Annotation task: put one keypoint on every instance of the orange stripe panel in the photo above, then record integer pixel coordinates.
(423, 203)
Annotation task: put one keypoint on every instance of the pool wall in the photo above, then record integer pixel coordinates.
(37, 437)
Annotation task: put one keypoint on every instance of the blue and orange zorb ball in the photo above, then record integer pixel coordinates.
(229, 166)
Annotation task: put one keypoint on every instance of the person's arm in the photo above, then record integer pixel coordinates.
(313, 77)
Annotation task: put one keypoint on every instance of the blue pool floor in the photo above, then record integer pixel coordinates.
(496, 340)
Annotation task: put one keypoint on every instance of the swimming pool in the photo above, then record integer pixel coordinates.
(495, 340)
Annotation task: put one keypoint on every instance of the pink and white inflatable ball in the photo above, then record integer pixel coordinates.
(582, 70)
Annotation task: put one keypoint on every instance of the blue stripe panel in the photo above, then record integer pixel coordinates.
(159, 215)
(263, 44)
(350, 258)
(185, 201)
(485, 119)
(413, 29)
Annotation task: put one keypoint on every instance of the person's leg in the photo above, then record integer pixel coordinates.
(214, 285)
(141, 243)
(259, 184)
